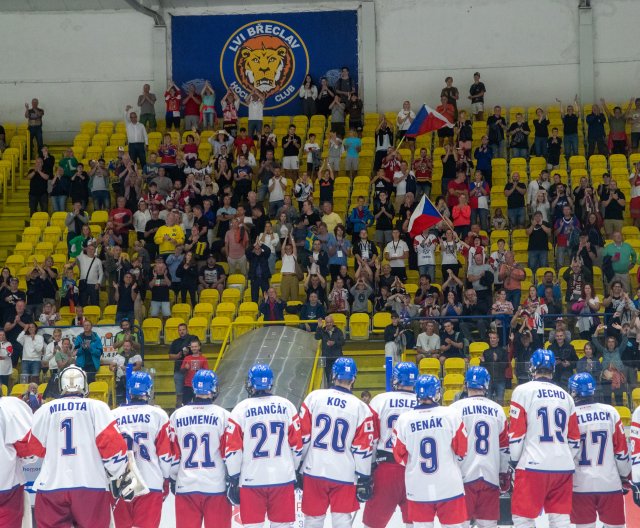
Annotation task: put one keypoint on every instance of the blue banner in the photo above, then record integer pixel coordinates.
(272, 53)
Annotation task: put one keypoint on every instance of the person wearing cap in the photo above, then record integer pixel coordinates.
(219, 139)
(126, 333)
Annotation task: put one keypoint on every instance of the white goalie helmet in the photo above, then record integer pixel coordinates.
(73, 380)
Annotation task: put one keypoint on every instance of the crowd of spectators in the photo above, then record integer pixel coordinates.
(182, 225)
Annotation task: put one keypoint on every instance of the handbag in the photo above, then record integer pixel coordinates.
(299, 272)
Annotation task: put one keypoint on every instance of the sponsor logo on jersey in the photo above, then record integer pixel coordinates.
(267, 56)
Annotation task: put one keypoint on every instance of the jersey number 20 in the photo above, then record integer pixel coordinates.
(337, 429)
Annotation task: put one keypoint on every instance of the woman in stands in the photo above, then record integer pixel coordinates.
(325, 98)
(451, 308)
(230, 105)
(541, 205)
(450, 247)
(223, 175)
(634, 180)
(308, 95)
(541, 133)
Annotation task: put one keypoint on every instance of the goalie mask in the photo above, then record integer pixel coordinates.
(73, 380)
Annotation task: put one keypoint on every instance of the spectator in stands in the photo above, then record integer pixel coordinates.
(428, 342)
(354, 109)
(325, 97)
(150, 230)
(289, 270)
(191, 103)
(581, 204)
(332, 339)
(538, 242)
(479, 193)
(272, 308)
(99, 185)
(383, 214)
(549, 281)
(345, 85)
(495, 360)
(394, 338)
(461, 214)
(541, 183)
(515, 192)
(88, 350)
(126, 356)
(396, 252)
(613, 377)
(308, 94)
(352, 145)
(58, 187)
(450, 247)
(496, 128)
(587, 305)
(554, 148)
(614, 206)
(136, 137)
(483, 156)
(276, 186)
(570, 123)
(448, 111)
(255, 105)
(91, 274)
(173, 100)
(623, 258)
(452, 343)
(178, 350)
(122, 219)
(190, 365)
(312, 309)
(126, 293)
(404, 119)
(338, 298)
(596, 136)
(589, 363)
(34, 116)
(32, 351)
(168, 236)
(160, 285)
(451, 93)
(566, 229)
(236, 241)
(617, 124)
(79, 186)
(259, 272)
(384, 141)
(476, 96)
(541, 133)
(576, 276)
(518, 137)
(146, 102)
(38, 180)
(566, 358)
(338, 116)
(361, 291)
(360, 218)
(291, 144)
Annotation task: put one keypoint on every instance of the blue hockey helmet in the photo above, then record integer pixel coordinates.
(205, 383)
(140, 383)
(582, 385)
(344, 369)
(260, 378)
(542, 359)
(428, 387)
(404, 374)
(477, 378)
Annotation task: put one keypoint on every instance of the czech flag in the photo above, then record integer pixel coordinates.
(427, 120)
(424, 217)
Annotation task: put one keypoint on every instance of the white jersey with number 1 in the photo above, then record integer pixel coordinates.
(488, 434)
(147, 432)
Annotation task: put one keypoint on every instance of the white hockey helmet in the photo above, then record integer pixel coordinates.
(73, 380)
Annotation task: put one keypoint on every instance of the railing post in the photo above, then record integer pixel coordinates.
(388, 370)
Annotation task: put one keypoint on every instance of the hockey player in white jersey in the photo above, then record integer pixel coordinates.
(485, 469)
(430, 441)
(78, 439)
(603, 461)
(146, 430)
(199, 473)
(543, 441)
(337, 433)
(15, 429)
(388, 476)
(634, 440)
(263, 445)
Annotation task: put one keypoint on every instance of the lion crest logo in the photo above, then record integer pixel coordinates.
(266, 64)
(266, 56)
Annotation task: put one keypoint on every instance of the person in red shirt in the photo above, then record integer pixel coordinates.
(192, 104)
(244, 139)
(173, 98)
(423, 169)
(456, 188)
(462, 216)
(190, 365)
(391, 164)
(122, 219)
(446, 110)
(167, 151)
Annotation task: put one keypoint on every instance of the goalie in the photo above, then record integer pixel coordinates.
(78, 440)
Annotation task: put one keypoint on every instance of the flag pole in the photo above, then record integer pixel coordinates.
(399, 144)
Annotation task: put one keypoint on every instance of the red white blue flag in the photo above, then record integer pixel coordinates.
(424, 217)
(427, 120)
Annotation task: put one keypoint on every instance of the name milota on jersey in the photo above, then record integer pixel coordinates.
(68, 406)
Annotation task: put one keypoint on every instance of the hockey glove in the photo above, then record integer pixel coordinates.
(299, 483)
(635, 489)
(233, 490)
(130, 484)
(364, 488)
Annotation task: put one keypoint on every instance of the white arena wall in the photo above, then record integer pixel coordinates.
(88, 64)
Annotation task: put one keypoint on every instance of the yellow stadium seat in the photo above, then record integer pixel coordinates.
(4, 390)
(340, 320)
(209, 296)
(430, 366)
(93, 313)
(219, 327)
(198, 327)
(41, 388)
(203, 309)
(171, 329)
(236, 281)
(226, 309)
(380, 321)
(39, 219)
(14, 263)
(476, 349)
(635, 397)
(359, 324)
(291, 319)
(59, 260)
(19, 389)
(24, 249)
(99, 390)
(453, 382)
(151, 329)
(248, 309)
(242, 325)
(507, 410)
(625, 415)
(105, 375)
(110, 310)
(45, 248)
(181, 310)
(231, 295)
(577, 162)
(579, 344)
(52, 234)
(106, 321)
(449, 396)
(454, 366)
(474, 362)
(100, 218)
(618, 161)
(31, 234)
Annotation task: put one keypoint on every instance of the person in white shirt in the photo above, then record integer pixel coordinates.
(425, 246)
(428, 342)
(400, 183)
(136, 137)
(255, 104)
(277, 185)
(541, 183)
(140, 218)
(91, 274)
(32, 350)
(396, 252)
(311, 148)
(6, 367)
(404, 119)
